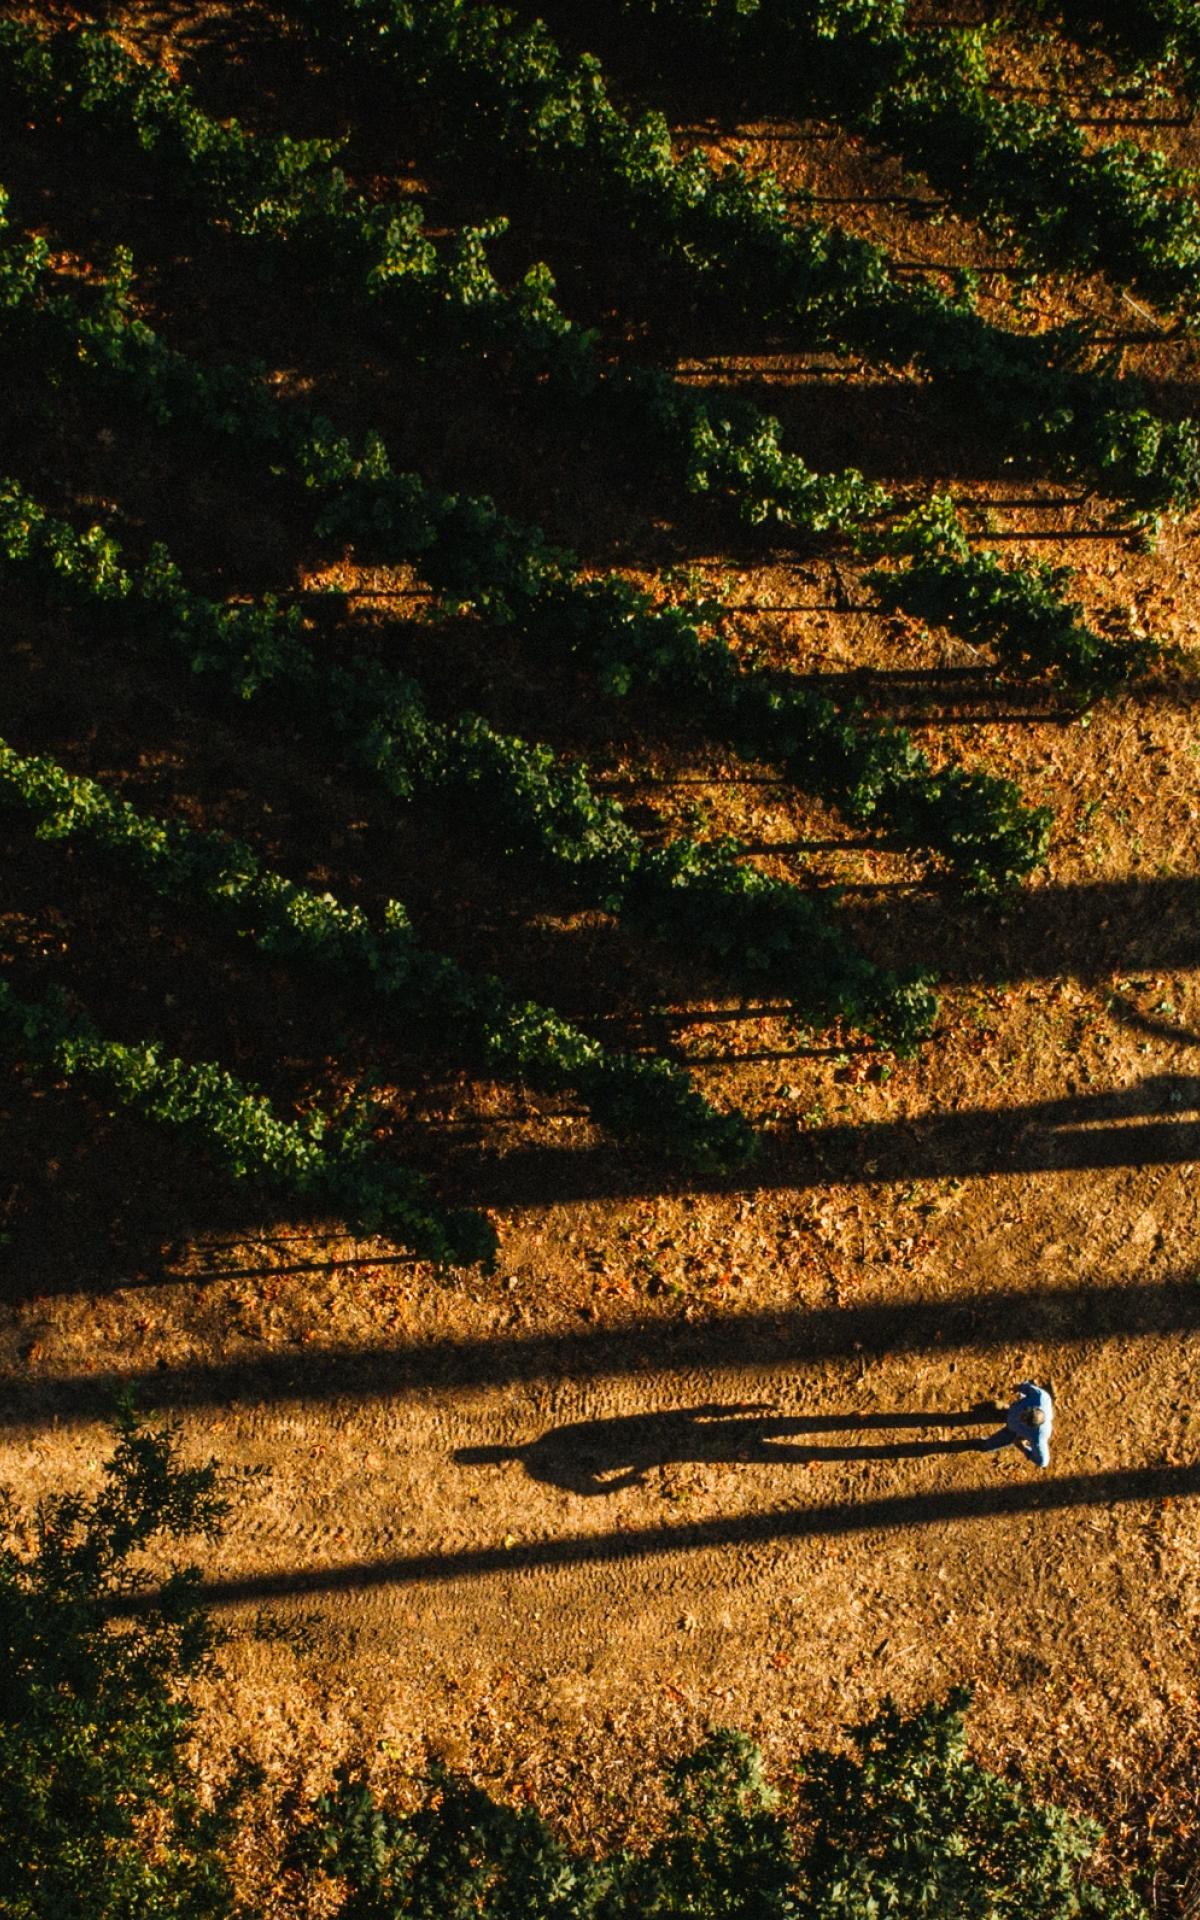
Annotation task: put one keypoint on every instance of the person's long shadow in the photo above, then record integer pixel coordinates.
(602, 1456)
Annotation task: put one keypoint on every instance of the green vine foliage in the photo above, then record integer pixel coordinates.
(1025, 169)
(697, 896)
(631, 644)
(730, 452)
(704, 896)
(730, 235)
(946, 581)
(492, 564)
(1148, 37)
(278, 192)
(475, 557)
(731, 238)
(241, 1131)
(471, 1016)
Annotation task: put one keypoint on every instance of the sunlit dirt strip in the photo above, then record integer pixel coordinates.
(970, 1503)
(1066, 1315)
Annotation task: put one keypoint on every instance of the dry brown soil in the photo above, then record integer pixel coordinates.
(736, 1488)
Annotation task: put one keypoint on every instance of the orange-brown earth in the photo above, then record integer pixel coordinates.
(749, 1539)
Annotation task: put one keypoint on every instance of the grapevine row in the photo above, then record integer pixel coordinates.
(269, 191)
(1021, 613)
(242, 1131)
(732, 452)
(1019, 167)
(473, 556)
(730, 235)
(698, 898)
(629, 643)
(1146, 35)
(644, 1099)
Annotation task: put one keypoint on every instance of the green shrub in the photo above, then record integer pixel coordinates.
(102, 1816)
(101, 1813)
(904, 1826)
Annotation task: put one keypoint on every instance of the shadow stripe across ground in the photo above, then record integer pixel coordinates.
(726, 1345)
(1147, 1484)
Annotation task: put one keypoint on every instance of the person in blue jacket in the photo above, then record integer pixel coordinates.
(1027, 1424)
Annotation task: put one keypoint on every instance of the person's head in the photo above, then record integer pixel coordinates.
(1034, 1417)
(1043, 1387)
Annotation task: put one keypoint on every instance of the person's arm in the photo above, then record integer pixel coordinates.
(1036, 1448)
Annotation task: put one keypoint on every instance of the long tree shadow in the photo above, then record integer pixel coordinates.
(1085, 932)
(1126, 1127)
(602, 1456)
(627, 1548)
(727, 1344)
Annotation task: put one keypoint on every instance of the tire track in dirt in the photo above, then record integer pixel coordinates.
(729, 1541)
(702, 1561)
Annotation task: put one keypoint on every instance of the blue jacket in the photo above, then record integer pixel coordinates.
(1033, 1441)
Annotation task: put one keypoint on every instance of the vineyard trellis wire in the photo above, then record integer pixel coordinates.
(471, 1016)
(731, 239)
(306, 1160)
(698, 895)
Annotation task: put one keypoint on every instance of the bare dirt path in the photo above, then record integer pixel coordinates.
(1020, 1201)
(690, 1532)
